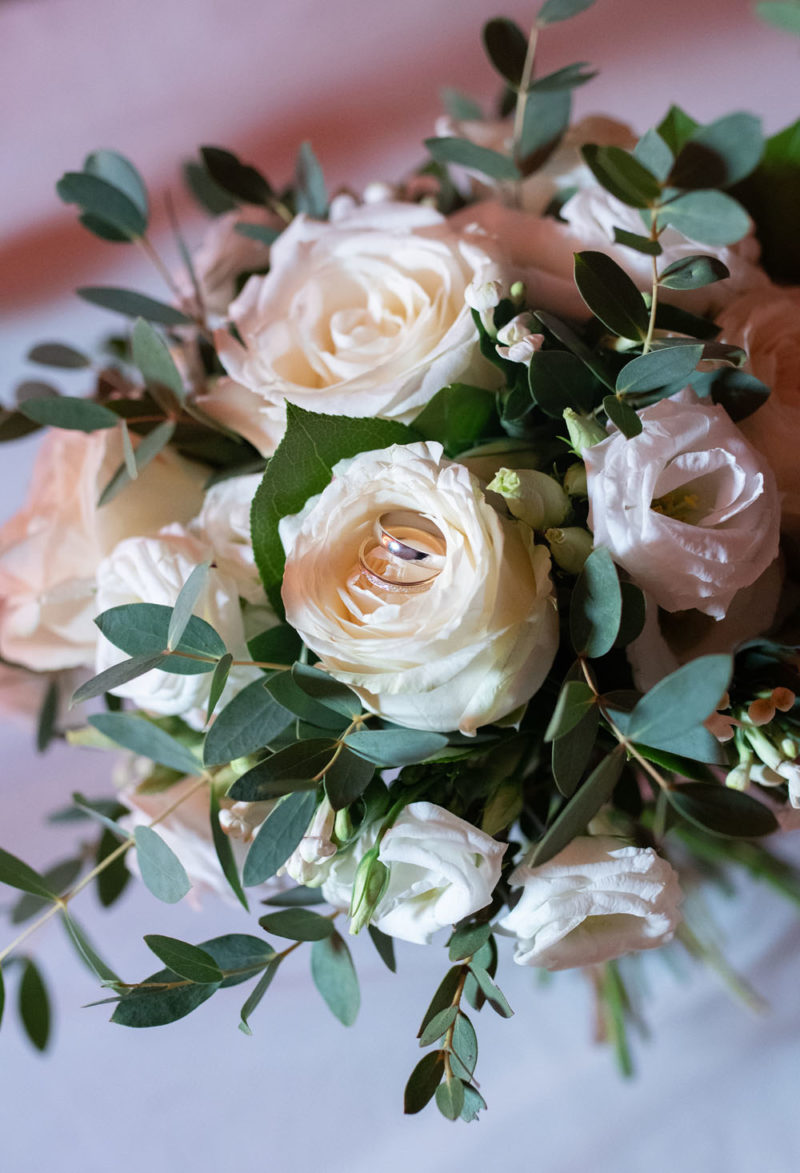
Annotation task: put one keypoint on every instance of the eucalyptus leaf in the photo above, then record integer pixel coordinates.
(473, 1104)
(596, 606)
(133, 305)
(97, 197)
(312, 195)
(570, 755)
(423, 1082)
(298, 924)
(676, 128)
(239, 955)
(465, 1045)
(682, 700)
(279, 645)
(346, 778)
(739, 392)
(708, 217)
(722, 811)
(460, 106)
(224, 849)
(218, 682)
(558, 379)
(208, 194)
(47, 717)
(568, 78)
(493, 994)
(693, 273)
(257, 993)
(278, 836)
(143, 737)
(574, 700)
(185, 603)
(329, 692)
(58, 354)
(719, 154)
(121, 174)
(295, 897)
(187, 960)
(248, 723)
(623, 415)
(553, 11)
(148, 448)
(58, 879)
(445, 993)
(238, 179)
(335, 977)
(654, 154)
(547, 115)
(467, 154)
(450, 1098)
(506, 47)
(395, 747)
(261, 233)
(623, 175)
(156, 1007)
(384, 945)
(783, 14)
(162, 871)
(438, 1025)
(581, 808)
(284, 689)
(659, 368)
(151, 355)
(468, 940)
(116, 675)
(610, 294)
(642, 244)
(143, 629)
(34, 1005)
(297, 767)
(18, 874)
(72, 413)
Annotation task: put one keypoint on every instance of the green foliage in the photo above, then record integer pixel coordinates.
(224, 849)
(148, 448)
(468, 940)
(653, 152)
(681, 701)
(384, 946)
(58, 354)
(558, 379)
(162, 871)
(659, 368)
(143, 629)
(468, 154)
(335, 977)
(329, 692)
(642, 244)
(56, 879)
(553, 11)
(492, 993)
(771, 195)
(298, 924)
(116, 675)
(208, 194)
(151, 355)
(739, 392)
(715, 808)
(395, 747)
(596, 606)
(311, 193)
(248, 723)
(278, 836)
(623, 415)
(568, 78)
(86, 950)
(103, 206)
(66, 411)
(582, 807)
(149, 1005)
(257, 993)
(460, 106)
(237, 179)
(17, 874)
(458, 416)
(450, 1098)
(708, 217)
(284, 688)
(186, 960)
(259, 232)
(623, 175)
(506, 46)
(676, 128)
(301, 467)
(720, 154)
(423, 1082)
(693, 273)
(34, 1005)
(547, 114)
(121, 174)
(133, 305)
(218, 681)
(300, 766)
(610, 294)
(185, 603)
(239, 955)
(47, 716)
(143, 737)
(574, 702)
(783, 14)
(571, 753)
(346, 778)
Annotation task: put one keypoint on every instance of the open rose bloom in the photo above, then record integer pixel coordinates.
(430, 564)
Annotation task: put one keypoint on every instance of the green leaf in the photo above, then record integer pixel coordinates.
(570, 755)
(299, 897)
(121, 174)
(46, 720)
(208, 194)
(546, 117)
(739, 392)
(468, 154)
(653, 153)
(659, 368)
(633, 615)
(682, 700)
(187, 960)
(610, 294)
(115, 877)
(151, 355)
(14, 425)
(465, 1046)
(162, 871)
(460, 106)
(218, 682)
(152, 1007)
(553, 11)
(185, 603)
(284, 689)
(438, 1025)
(239, 179)
(676, 128)
(279, 645)
(450, 1098)
(347, 778)
(247, 723)
(133, 305)
(34, 1006)
(258, 232)
(623, 415)
(693, 273)
(395, 747)
(574, 701)
(98, 198)
(623, 175)
(473, 1104)
(240, 956)
(298, 924)
(116, 675)
(385, 947)
(278, 836)
(143, 737)
(143, 629)
(72, 413)
(57, 354)
(329, 692)
(771, 196)
(722, 811)
(423, 1082)
(148, 448)
(444, 995)
(96, 812)
(582, 807)
(17, 874)
(567, 78)
(642, 244)
(86, 950)
(708, 217)
(506, 46)
(596, 606)
(56, 879)
(576, 346)
(335, 977)
(493, 994)
(297, 767)
(783, 14)
(257, 993)
(720, 154)
(457, 417)
(301, 467)
(224, 850)
(558, 379)
(312, 195)
(468, 940)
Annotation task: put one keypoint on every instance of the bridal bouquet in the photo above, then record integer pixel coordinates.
(424, 560)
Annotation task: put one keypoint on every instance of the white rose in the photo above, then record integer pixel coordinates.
(362, 316)
(50, 550)
(469, 649)
(765, 323)
(224, 524)
(153, 570)
(441, 869)
(687, 507)
(563, 169)
(224, 255)
(592, 902)
(258, 420)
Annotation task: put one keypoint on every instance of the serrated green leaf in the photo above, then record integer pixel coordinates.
(335, 977)
(596, 606)
(681, 701)
(34, 1006)
(69, 412)
(143, 737)
(659, 368)
(133, 305)
(162, 871)
(581, 808)
(187, 960)
(278, 836)
(610, 294)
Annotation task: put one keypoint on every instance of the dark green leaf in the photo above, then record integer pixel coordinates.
(46, 722)
(739, 392)
(299, 897)
(17, 874)
(582, 807)
(329, 692)
(559, 380)
(642, 244)
(771, 195)
(224, 850)
(284, 689)
(335, 977)
(385, 947)
(153, 1007)
(465, 1045)
(653, 153)
(162, 871)
(34, 1006)
(571, 754)
(133, 305)
(258, 992)
(209, 195)
(347, 778)
(473, 1104)
(596, 607)
(633, 615)
(468, 154)
(423, 1082)
(14, 425)
(142, 629)
(187, 960)
(457, 417)
(659, 368)
(278, 836)
(438, 1025)
(312, 195)
(247, 723)
(709, 217)
(553, 11)
(114, 878)
(576, 346)
(722, 811)
(258, 232)
(298, 924)
(297, 767)
(506, 46)
(693, 273)
(468, 940)
(74, 414)
(57, 354)
(568, 78)
(121, 174)
(280, 646)
(97, 197)
(450, 1098)
(237, 178)
(722, 153)
(574, 700)
(443, 997)
(86, 950)
(460, 106)
(623, 175)
(151, 355)
(56, 879)
(623, 415)
(610, 294)
(547, 115)
(239, 955)
(98, 813)
(676, 128)
(681, 701)
(395, 747)
(116, 675)
(143, 737)
(218, 682)
(493, 994)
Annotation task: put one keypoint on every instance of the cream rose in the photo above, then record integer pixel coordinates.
(50, 550)
(362, 316)
(441, 869)
(153, 570)
(467, 650)
(767, 324)
(592, 902)
(224, 256)
(687, 507)
(224, 524)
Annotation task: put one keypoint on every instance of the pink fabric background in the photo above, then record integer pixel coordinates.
(360, 80)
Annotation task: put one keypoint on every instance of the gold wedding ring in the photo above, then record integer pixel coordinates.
(406, 553)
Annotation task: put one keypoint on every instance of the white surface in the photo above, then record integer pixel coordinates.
(717, 1087)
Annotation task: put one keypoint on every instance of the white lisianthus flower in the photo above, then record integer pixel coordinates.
(50, 550)
(224, 524)
(361, 316)
(307, 862)
(472, 646)
(592, 902)
(153, 570)
(765, 323)
(223, 256)
(441, 869)
(687, 507)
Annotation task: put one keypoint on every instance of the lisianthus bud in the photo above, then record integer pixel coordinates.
(483, 297)
(342, 826)
(371, 882)
(516, 341)
(768, 753)
(575, 481)
(584, 430)
(531, 496)
(518, 293)
(739, 777)
(570, 547)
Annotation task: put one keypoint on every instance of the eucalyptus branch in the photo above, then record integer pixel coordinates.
(359, 720)
(234, 663)
(522, 90)
(651, 325)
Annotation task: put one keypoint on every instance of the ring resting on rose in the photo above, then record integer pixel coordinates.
(406, 552)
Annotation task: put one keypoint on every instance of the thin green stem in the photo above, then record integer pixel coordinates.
(522, 90)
